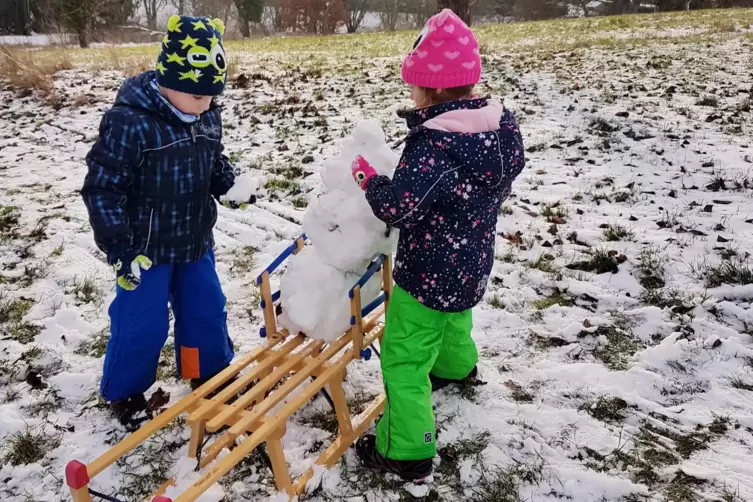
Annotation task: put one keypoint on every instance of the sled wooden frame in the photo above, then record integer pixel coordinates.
(255, 417)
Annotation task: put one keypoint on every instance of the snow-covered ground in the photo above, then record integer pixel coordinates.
(615, 336)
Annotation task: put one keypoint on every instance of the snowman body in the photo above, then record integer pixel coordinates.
(345, 236)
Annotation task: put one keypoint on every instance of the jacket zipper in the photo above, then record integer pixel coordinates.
(195, 167)
(149, 235)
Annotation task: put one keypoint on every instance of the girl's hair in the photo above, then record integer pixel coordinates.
(439, 96)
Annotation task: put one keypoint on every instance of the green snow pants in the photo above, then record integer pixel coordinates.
(418, 341)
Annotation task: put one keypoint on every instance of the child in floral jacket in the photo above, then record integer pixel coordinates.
(460, 160)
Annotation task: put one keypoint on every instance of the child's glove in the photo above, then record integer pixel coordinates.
(362, 171)
(232, 204)
(128, 269)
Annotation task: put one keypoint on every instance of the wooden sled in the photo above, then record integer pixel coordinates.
(249, 410)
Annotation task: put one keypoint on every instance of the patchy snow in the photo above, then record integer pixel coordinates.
(615, 337)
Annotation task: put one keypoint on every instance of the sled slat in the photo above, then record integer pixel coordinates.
(246, 379)
(164, 418)
(258, 391)
(338, 448)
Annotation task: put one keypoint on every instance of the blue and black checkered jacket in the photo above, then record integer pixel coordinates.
(152, 178)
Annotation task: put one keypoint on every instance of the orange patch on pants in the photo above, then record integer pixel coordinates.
(189, 362)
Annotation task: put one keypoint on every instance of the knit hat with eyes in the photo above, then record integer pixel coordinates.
(445, 56)
(192, 59)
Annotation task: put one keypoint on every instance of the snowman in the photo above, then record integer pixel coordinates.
(345, 236)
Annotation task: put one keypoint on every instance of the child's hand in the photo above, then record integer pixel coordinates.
(232, 204)
(241, 193)
(362, 171)
(128, 269)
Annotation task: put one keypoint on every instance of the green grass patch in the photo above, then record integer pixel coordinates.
(29, 446)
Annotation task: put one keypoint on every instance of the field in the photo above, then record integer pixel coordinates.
(616, 333)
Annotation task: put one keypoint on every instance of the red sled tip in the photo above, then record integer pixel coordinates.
(75, 475)
(160, 498)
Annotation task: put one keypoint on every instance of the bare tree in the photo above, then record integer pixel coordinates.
(357, 10)
(389, 14)
(419, 11)
(313, 16)
(460, 7)
(78, 15)
(249, 11)
(152, 8)
(584, 5)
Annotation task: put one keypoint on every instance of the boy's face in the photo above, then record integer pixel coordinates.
(187, 103)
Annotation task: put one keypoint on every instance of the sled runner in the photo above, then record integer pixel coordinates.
(246, 405)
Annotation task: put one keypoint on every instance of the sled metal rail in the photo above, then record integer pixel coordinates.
(248, 404)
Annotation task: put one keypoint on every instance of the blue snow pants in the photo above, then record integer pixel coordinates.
(139, 325)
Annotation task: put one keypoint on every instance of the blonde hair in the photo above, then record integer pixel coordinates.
(439, 96)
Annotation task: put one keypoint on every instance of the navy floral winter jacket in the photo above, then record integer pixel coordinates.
(152, 178)
(459, 162)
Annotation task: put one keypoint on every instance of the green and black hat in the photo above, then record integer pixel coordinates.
(192, 59)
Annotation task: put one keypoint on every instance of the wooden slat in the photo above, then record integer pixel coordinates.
(164, 418)
(263, 386)
(161, 490)
(224, 465)
(279, 464)
(273, 399)
(338, 448)
(270, 322)
(355, 330)
(341, 405)
(81, 494)
(244, 380)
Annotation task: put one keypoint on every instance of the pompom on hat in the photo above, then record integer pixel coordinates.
(192, 58)
(445, 55)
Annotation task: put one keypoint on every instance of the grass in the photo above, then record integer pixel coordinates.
(496, 485)
(620, 347)
(147, 467)
(86, 290)
(607, 409)
(96, 345)
(651, 267)
(30, 446)
(683, 489)
(12, 323)
(734, 270)
(617, 233)
(600, 261)
(739, 383)
(454, 453)
(556, 298)
(166, 366)
(554, 213)
(25, 70)
(544, 263)
(9, 217)
(244, 260)
(287, 186)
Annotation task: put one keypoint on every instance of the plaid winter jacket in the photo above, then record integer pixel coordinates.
(152, 177)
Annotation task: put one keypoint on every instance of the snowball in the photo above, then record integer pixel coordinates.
(244, 187)
(345, 236)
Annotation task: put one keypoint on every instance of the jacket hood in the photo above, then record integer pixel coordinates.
(470, 125)
(139, 92)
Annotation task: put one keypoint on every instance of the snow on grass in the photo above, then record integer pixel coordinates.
(615, 338)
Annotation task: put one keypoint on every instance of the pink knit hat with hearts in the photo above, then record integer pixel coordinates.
(445, 55)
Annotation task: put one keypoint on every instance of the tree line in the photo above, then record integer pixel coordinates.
(328, 16)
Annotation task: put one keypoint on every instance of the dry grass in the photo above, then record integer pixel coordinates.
(25, 70)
